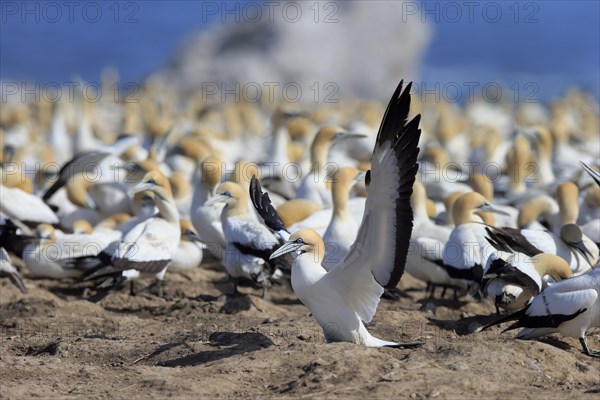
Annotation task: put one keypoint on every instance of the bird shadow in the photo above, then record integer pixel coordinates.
(66, 292)
(285, 301)
(430, 303)
(463, 326)
(227, 303)
(555, 342)
(237, 343)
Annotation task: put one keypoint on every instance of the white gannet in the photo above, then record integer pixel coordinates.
(206, 218)
(150, 245)
(249, 243)
(466, 251)
(425, 255)
(65, 255)
(569, 307)
(342, 299)
(567, 242)
(8, 270)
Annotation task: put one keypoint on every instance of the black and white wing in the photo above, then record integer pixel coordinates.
(376, 259)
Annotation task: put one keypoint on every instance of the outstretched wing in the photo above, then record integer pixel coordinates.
(262, 204)
(377, 257)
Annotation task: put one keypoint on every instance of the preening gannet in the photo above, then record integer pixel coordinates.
(569, 307)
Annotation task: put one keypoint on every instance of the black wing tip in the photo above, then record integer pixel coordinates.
(510, 317)
(264, 207)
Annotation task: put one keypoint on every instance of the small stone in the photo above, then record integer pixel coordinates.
(393, 376)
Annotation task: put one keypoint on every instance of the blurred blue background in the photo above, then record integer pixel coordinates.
(554, 43)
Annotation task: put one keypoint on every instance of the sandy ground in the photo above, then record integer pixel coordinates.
(198, 343)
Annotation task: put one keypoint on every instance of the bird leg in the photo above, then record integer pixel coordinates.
(497, 310)
(235, 291)
(444, 291)
(159, 289)
(432, 291)
(264, 293)
(428, 288)
(131, 288)
(587, 350)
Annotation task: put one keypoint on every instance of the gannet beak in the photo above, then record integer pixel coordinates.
(193, 236)
(348, 135)
(195, 239)
(142, 186)
(220, 198)
(493, 209)
(580, 246)
(287, 247)
(291, 114)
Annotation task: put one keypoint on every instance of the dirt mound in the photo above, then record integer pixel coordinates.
(198, 342)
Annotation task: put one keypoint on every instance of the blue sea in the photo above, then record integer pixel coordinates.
(554, 44)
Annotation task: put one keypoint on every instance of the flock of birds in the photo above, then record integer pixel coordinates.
(501, 204)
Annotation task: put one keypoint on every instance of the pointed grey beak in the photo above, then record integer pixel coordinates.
(142, 186)
(193, 236)
(580, 247)
(348, 135)
(493, 209)
(292, 114)
(195, 239)
(287, 247)
(220, 198)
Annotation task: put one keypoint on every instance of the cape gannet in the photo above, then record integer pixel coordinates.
(249, 243)
(511, 284)
(342, 299)
(150, 245)
(569, 307)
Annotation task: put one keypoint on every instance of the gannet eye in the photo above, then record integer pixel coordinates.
(227, 193)
(152, 181)
(299, 240)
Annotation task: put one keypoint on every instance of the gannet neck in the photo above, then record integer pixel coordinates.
(483, 185)
(320, 146)
(538, 206)
(342, 183)
(567, 195)
(553, 265)
(518, 160)
(210, 171)
(180, 185)
(77, 192)
(167, 209)
(418, 201)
